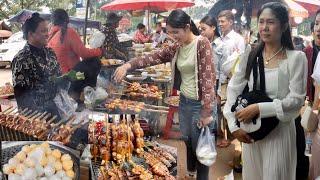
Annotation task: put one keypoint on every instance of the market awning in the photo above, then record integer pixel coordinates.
(311, 5)
(296, 10)
(155, 5)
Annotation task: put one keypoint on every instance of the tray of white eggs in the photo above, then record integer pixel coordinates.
(36, 160)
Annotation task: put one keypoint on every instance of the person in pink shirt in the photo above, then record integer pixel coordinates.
(140, 37)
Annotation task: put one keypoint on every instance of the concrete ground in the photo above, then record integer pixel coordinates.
(219, 169)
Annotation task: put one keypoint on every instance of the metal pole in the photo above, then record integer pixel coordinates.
(85, 23)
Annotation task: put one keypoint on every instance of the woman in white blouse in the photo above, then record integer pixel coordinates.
(275, 156)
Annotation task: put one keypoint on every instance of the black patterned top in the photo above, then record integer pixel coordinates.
(112, 44)
(31, 70)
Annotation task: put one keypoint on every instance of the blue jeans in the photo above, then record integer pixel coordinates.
(189, 115)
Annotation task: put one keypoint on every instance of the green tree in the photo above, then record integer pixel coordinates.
(12, 7)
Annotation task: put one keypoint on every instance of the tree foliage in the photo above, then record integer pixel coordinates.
(12, 7)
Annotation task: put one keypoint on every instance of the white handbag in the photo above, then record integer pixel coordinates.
(309, 119)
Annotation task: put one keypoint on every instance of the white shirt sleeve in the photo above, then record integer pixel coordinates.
(316, 70)
(286, 109)
(235, 87)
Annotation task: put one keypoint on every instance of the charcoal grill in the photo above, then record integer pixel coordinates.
(10, 149)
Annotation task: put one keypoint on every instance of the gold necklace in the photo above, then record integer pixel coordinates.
(274, 55)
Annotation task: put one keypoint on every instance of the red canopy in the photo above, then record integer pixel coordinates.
(154, 5)
(311, 5)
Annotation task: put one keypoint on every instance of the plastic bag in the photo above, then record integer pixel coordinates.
(65, 104)
(97, 39)
(206, 151)
(93, 97)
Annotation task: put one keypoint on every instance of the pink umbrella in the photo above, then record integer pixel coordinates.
(150, 5)
(154, 5)
(5, 33)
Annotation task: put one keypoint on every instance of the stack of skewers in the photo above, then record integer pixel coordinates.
(33, 125)
(122, 153)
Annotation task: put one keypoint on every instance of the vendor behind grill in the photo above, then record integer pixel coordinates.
(33, 68)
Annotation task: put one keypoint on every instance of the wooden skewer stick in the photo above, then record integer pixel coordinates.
(52, 119)
(23, 111)
(71, 119)
(8, 109)
(154, 110)
(113, 93)
(156, 107)
(26, 113)
(126, 82)
(46, 117)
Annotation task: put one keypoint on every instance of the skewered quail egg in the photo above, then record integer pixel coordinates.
(43, 161)
(67, 165)
(70, 174)
(65, 157)
(45, 145)
(58, 166)
(56, 153)
(21, 156)
(26, 149)
(51, 160)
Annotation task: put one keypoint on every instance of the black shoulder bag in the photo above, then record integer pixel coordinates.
(266, 125)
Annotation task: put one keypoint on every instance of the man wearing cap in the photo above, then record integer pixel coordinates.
(111, 43)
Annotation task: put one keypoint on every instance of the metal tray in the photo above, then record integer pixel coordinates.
(10, 149)
(95, 171)
(95, 165)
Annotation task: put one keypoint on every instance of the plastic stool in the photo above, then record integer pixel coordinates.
(168, 133)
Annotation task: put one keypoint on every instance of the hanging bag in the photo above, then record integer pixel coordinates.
(206, 151)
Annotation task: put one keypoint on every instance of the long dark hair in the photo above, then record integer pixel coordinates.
(211, 21)
(31, 24)
(281, 13)
(180, 19)
(60, 18)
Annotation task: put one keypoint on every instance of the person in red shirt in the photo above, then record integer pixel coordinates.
(69, 48)
(66, 42)
(140, 37)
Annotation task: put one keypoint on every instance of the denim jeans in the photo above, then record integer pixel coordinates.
(189, 115)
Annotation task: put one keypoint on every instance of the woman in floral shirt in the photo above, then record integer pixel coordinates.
(193, 74)
(33, 67)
